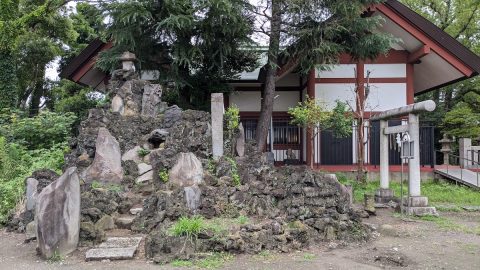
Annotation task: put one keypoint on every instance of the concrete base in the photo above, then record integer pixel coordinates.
(384, 195)
(419, 207)
(422, 211)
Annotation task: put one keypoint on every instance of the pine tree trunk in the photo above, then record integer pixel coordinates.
(36, 98)
(271, 76)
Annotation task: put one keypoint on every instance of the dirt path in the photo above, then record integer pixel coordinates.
(451, 243)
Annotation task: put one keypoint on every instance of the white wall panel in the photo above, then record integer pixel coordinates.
(285, 100)
(328, 93)
(338, 71)
(385, 96)
(246, 101)
(386, 70)
(249, 101)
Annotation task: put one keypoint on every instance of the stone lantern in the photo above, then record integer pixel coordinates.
(127, 59)
(446, 148)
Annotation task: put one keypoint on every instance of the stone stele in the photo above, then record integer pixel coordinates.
(107, 164)
(57, 216)
(188, 171)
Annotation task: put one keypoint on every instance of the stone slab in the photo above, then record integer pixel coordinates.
(148, 176)
(121, 242)
(98, 254)
(136, 210)
(144, 168)
(115, 248)
(124, 222)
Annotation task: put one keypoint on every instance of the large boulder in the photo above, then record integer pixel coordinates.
(57, 215)
(188, 171)
(107, 165)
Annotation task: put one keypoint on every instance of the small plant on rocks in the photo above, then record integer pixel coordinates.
(188, 227)
(163, 175)
(142, 152)
(234, 171)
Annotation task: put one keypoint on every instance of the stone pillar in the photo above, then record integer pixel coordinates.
(128, 61)
(416, 204)
(384, 194)
(217, 109)
(464, 145)
(414, 164)
(384, 172)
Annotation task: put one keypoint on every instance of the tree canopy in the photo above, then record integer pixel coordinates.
(195, 44)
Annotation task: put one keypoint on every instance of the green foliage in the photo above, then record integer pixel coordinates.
(437, 192)
(111, 187)
(67, 96)
(242, 220)
(196, 52)
(189, 227)
(8, 81)
(212, 261)
(232, 118)
(234, 172)
(142, 152)
(16, 164)
(163, 175)
(55, 258)
(310, 114)
(462, 122)
(308, 256)
(41, 131)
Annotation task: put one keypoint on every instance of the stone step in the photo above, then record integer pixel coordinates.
(115, 248)
(135, 210)
(124, 221)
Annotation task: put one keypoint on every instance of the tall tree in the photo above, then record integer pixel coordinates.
(311, 33)
(194, 43)
(460, 19)
(32, 34)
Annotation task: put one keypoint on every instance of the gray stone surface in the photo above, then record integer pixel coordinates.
(107, 165)
(188, 171)
(171, 116)
(418, 201)
(148, 176)
(217, 109)
(143, 168)
(105, 223)
(115, 248)
(151, 99)
(58, 215)
(240, 145)
(30, 231)
(422, 211)
(383, 195)
(124, 222)
(132, 154)
(31, 193)
(117, 105)
(136, 210)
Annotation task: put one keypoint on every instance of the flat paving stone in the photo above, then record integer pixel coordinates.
(115, 248)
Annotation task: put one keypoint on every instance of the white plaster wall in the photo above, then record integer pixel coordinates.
(285, 100)
(246, 101)
(250, 101)
(386, 70)
(385, 96)
(337, 71)
(328, 93)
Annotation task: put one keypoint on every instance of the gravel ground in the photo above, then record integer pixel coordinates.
(401, 244)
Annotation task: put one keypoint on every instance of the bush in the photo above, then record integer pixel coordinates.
(42, 131)
(189, 227)
(16, 164)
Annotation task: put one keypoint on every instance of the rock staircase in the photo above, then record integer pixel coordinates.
(121, 243)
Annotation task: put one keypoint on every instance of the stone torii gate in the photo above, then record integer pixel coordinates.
(416, 204)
